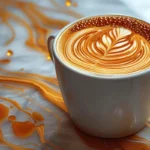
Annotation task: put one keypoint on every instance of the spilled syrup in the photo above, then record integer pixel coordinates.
(46, 91)
(12, 87)
(50, 80)
(37, 41)
(37, 116)
(58, 118)
(23, 129)
(11, 118)
(18, 127)
(4, 61)
(9, 53)
(4, 111)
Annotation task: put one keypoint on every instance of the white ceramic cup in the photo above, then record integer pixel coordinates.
(103, 106)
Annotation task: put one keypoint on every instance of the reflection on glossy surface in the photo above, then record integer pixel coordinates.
(47, 92)
(36, 41)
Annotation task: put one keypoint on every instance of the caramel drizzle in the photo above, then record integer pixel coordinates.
(4, 111)
(111, 144)
(30, 127)
(12, 87)
(106, 50)
(4, 61)
(31, 10)
(32, 42)
(4, 114)
(51, 80)
(47, 92)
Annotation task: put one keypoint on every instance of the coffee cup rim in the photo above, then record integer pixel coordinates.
(92, 75)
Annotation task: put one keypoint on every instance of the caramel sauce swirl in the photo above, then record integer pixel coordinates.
(105, 50)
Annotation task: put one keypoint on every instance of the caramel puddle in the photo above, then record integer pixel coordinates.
(11, 118)
(23, 129)
(37, 116)
(47, 92)
(4, 111)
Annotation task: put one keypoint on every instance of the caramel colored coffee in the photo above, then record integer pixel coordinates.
(110, 45)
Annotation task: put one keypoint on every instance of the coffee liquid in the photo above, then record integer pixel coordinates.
(111, 45)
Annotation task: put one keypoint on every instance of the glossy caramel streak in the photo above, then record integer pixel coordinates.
(4, 61)
(46, 20)
(38, 20)
(12, 87)
(4, 112)
(37, 116)
(51, 80)
(106, 50)
(47, 92)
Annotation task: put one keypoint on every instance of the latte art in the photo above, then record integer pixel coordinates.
(105, 50)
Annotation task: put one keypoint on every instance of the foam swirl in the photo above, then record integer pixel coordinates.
(106, 50)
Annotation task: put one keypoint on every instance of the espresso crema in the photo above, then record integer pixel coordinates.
(106, 45)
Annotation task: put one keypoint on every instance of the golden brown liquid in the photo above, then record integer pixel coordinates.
(23, 129)
(37, 116)
(4, 61)
(104, 49)
(11, 118)
(4, 111)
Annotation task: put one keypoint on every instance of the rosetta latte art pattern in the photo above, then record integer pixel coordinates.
(107, 50)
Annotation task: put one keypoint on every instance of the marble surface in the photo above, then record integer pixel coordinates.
(33, 62)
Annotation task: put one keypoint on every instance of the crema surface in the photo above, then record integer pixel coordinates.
(104, 50)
